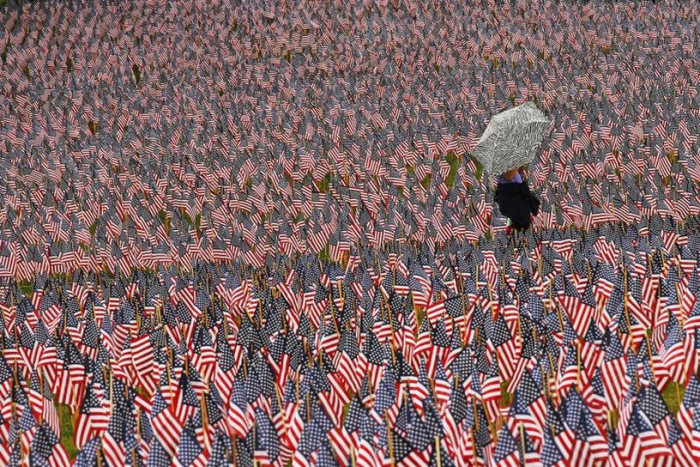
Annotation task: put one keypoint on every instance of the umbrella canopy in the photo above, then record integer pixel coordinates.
(511, 138)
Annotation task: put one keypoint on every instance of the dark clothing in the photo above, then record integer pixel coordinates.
(517, 202)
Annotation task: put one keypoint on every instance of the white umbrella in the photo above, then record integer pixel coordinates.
(511, 138)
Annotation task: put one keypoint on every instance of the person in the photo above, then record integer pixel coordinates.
(515, 200)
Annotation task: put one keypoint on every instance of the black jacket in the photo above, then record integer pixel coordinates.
(517, 202)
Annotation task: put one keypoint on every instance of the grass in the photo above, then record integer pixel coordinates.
(451, 159)
(420, 314)
(26, 287)
(614, 418)
(324, 254)
(506, 397)
(137, 74)
(325, 183)
(93, 227)
(673, 396)
(426, 181)
(93, 127)
(67, 432)
(479, 168)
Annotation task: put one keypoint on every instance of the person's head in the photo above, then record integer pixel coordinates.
(509, 175)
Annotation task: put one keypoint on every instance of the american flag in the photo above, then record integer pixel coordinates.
(333, 147)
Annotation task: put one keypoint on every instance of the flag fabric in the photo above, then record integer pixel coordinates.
(294, 259)
(176, 411)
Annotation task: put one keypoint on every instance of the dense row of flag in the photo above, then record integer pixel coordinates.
(240, 187)
(552, 351)
(132, 139)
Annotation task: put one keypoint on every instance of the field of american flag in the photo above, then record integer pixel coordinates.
(252, 233)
